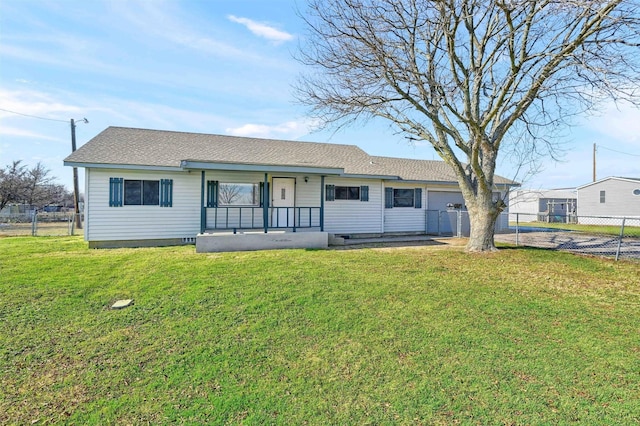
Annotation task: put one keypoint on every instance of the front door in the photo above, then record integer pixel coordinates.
(283, 202)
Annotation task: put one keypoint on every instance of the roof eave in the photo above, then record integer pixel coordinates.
(632, 180)
(446, 182)
(367, 176)
(122, 166)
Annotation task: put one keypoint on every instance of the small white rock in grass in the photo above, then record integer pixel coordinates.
(122, 304)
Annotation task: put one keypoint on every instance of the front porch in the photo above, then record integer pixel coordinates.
(249, 204)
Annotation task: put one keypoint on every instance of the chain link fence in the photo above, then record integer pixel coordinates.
(38, 224)
(617, 237)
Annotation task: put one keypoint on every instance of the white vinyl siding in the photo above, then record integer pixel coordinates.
(105, 223)
(405, 219)
(307, 195)
(354, 216)
(619, 198)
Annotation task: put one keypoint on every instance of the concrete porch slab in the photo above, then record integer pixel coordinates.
(223, 242)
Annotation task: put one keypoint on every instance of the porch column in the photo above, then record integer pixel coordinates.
(322, 203)
(203, 210)
(265, 204)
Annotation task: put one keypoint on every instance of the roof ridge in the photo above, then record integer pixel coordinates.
(236, 137)
(406, 159)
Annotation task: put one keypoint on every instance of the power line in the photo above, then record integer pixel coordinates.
(619, 152)
(34, 116)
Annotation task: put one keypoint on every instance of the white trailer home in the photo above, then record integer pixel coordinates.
(543, 205)
(151, 187)
(607, 200)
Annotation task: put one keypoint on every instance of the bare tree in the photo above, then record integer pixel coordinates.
(228, 193)
(34, 186)
(469, 76)
(12, 183)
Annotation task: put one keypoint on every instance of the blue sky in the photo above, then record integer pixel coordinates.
(218, 66)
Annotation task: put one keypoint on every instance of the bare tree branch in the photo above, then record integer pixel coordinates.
(469, 74)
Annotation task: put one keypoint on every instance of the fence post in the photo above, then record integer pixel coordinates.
(517, 229)
(620, 239)
(72, 225)
(34, 224)
(426, 221)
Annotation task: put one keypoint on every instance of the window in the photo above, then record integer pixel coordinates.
(234, 194)
(140, 192)
(602, 197)
(636, 191)
(238, 194)
(347, 192)
(403, 197)
(334, 192)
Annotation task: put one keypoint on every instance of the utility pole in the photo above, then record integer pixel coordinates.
(76, 194)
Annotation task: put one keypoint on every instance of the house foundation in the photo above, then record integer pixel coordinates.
(248, 241)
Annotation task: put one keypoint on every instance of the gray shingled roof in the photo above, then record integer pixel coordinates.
(157, 148)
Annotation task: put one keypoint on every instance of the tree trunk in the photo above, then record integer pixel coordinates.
(482, 231)
(483, 214)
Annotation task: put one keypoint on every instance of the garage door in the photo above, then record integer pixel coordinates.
(440, 219)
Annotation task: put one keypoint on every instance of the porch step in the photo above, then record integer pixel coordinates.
(379, 239)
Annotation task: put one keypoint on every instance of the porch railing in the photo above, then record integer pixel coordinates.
(250, 217)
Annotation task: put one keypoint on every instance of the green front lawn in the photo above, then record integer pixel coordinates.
(370, 336)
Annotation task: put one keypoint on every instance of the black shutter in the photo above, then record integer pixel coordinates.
(330, 193)
(166, 192)
(417, 198)
(388, 198)
(212, 193)
(364, 193)
(115, 192)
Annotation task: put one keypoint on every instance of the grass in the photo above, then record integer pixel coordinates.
(629, 231)
(395, 336)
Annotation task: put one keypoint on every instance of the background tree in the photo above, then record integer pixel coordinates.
(469, 76)
(37, 191)
(12, 184)
(19, 184)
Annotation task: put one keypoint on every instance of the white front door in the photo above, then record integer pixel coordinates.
(283, 201)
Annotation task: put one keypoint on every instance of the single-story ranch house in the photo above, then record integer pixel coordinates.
(151, 187)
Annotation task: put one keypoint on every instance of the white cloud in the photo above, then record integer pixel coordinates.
(288, 130)
(36, 103)
(262, 30)
(23, 133)
(176, 28)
